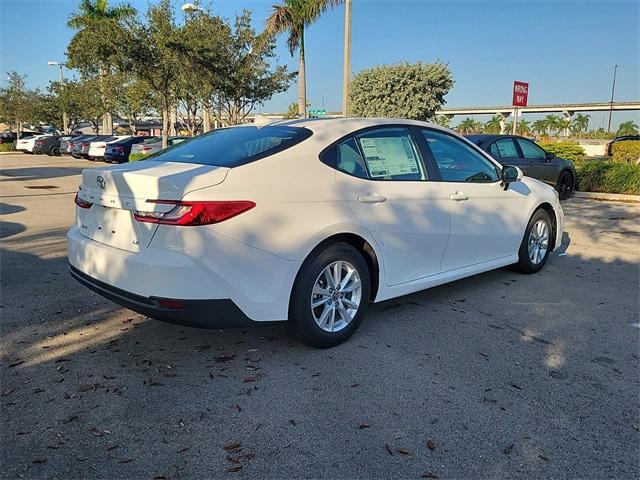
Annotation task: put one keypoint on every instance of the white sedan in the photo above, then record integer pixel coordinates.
(26, 144)
(97, 148)
(306, 221)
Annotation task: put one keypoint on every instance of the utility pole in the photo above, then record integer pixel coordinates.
(65, 119)
(613, 90)
(346, 70)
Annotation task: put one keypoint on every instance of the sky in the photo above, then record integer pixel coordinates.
(565, 49)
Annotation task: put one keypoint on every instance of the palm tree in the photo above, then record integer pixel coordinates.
(467, 126)
(552, 123)
(90, 14)
(443, 121)
(540, 127)
(494, 125)
(580, 123)
(627, 128)
(563, 126)
(524, 128)
(292, 16)
(508, 127)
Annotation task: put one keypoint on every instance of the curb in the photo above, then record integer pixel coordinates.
(608, 197)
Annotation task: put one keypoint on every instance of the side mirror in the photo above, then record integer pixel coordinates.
(550, 156)
(510, 174)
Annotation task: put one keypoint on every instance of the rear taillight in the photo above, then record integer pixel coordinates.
(82, 203)
(195, 213)
(146, 148)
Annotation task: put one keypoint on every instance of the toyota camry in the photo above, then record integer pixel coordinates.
(305, 221)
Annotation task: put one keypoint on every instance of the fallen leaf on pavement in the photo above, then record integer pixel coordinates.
(507, 450)
(39, 460)
(431, 445)
(429, 475)
(234, 469)
(388, 449)
(363, 425)
(405, 451)
(232, 447)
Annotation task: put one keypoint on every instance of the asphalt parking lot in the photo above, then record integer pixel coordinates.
(497, 376)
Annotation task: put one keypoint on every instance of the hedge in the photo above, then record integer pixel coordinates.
(6, 147)
(626, 152)
(569, 150)
(134, 157)
(608, 177)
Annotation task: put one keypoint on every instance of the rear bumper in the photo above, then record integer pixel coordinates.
(254, 282)
(217, 313)
(115, 158)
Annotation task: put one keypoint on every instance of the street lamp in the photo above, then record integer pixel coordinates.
(65, 120)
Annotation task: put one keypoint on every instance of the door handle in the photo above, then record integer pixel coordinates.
(458, 197)
(371, 198)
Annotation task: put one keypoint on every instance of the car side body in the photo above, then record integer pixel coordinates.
(415, 232)
(533, 160)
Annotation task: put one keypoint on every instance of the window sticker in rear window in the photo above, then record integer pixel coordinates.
(390, 156)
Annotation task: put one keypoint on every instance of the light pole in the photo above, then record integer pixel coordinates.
(613, 90)
(65, 120)
(346, 67)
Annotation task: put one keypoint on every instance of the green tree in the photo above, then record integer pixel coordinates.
(540, 126)
(95, 45)
(292, 17)
(524, 127)
(292, 111)
(467, 126)
(563, 127)
(443, 121)
(82, 101)
(627, 128)
(401, 90)
(14, 101)
(580, 123)
(552, 124)
(238, 70)
(494, 125)
(151, 52)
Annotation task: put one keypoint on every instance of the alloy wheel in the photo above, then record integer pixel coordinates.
(538, 242)
(336, 296)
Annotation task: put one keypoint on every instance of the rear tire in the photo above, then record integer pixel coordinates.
(536, 243)
(55, 151)
(324, 312)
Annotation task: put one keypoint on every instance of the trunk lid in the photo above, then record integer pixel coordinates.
(116, 192)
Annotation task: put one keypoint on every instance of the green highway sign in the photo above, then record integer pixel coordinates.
(316, 113)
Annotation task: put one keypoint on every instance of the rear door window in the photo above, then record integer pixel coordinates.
(390, 154)
(234, 146)
(504, 148)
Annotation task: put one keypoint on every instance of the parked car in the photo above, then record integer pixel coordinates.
(533, 160)
(625, 138)
(97, 147)
(154, 144)
(8, 137)
(119, 151)
(26, 144)
(49, 145)
(305, 220)
(81, 148)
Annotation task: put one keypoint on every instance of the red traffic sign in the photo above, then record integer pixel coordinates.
(520, 94)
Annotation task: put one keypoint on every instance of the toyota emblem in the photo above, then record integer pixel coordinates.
(101, 182)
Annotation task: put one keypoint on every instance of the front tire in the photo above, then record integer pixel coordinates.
(536, 244)
(565, 185)
(330, 296)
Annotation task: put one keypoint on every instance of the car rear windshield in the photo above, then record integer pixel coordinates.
(234, 146)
